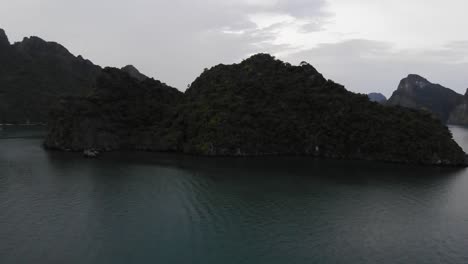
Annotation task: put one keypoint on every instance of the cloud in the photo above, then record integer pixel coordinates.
(408, 24)
(367, 45)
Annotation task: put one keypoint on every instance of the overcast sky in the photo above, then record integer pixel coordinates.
(366, 45)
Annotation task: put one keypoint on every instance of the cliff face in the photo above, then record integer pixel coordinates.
(459, 115)
(35, 73)
(261, 106)
(418, 93)
(120, 113)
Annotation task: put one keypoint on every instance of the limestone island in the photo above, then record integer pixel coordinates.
(261, 106)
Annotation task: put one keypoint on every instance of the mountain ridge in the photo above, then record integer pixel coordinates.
(34, 73)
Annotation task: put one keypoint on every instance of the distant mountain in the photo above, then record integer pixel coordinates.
(132, 71)
(261, 106)
(377, 97)
(34, 73)
(416, 92)
(459, 116)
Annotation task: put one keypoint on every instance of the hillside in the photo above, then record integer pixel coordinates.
(122, 112)
(261, 106)
(34, 73)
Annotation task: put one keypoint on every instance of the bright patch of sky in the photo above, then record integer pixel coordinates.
(415, 24)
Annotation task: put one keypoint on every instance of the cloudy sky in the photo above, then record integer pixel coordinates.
(367, 45)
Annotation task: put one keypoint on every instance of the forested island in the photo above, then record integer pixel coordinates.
(261, 106)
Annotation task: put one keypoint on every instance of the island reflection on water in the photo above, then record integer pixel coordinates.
(168, 208)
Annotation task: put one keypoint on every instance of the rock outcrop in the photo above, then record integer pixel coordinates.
(34, 74)
(134, 72)
(261, 106)
(90, 153)
(416, 92)
(377, 97)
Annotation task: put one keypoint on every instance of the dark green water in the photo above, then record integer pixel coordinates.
(160, 208)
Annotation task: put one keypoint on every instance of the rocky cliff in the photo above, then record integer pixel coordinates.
(261, 106)
(35, 73)
(416, 92)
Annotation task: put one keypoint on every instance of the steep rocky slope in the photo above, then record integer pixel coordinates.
(416, 92)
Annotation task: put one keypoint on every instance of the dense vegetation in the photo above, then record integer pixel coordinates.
(34, 74)
(261, 106)
(122, 112)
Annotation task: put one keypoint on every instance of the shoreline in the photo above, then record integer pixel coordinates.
(32, 124)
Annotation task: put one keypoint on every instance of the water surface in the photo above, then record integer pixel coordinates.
(164, 208)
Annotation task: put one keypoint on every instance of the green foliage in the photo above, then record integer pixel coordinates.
(121, 112)
(261, 106)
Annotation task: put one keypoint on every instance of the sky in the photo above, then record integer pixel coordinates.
(366, 45)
